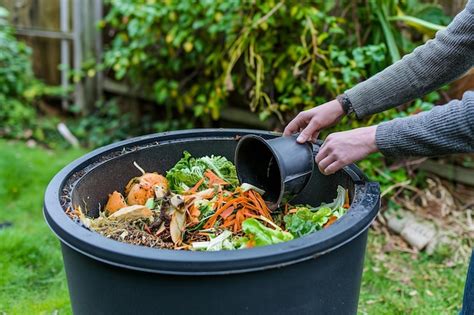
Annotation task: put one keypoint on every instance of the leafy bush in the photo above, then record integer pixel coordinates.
(108, 124)
(19, 89)
(279, 57)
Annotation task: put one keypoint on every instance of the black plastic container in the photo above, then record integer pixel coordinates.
(316, 274)
(280, 166)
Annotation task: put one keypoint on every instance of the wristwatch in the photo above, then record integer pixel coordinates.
(346, 104)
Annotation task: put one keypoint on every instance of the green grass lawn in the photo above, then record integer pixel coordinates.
(396, 283)
(32, 279)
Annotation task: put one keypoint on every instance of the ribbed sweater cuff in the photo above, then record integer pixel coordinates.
(360, 104)
(385, 138)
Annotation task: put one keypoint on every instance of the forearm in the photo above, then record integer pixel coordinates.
(443, 130)
(427, 68)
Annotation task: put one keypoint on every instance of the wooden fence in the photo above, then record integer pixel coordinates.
(62, 34)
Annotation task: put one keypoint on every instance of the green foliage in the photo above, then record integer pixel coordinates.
(420, 18)
(106, 125)
(109, 123)
(19, 89)
(281, 57)
(189, 170)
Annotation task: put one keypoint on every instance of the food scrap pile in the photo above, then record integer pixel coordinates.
(200, 205)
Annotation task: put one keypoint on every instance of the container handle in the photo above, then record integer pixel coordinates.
(355, 173)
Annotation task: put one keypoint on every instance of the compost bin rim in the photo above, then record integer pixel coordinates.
(362, 212)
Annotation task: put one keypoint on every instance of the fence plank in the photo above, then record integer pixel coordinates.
(41, 16)
(87, 46)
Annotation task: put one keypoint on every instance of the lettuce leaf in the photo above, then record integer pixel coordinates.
(185, 174)
(220, 166)
(189, 170)
(304, 221)
(309, 219)
(262, 235)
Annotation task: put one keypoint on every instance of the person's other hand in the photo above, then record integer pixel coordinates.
(343, 148)
(312, 121)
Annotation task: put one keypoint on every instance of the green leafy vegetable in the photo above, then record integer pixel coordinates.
(219, 242)
(189, 170)
(222, 167)
(308, 219)
(304, 221)
(185, 174)
(261, 235)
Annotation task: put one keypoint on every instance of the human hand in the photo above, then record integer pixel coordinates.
(343, 148)
(312, 121)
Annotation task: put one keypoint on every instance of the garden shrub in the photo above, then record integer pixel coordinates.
(278, 57)
(19, 89)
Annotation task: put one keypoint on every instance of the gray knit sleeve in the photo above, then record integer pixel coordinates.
(443, 130)
(428, 67)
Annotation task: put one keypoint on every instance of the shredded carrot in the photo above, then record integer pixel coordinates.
(250, 206)
(214, 179)
(194, 211)
(238, 222)
(228, 224)
(227, 212)
(330, 221)
(247, 213)
(254, 200)
(232, 208)
(212, 220)
(260, 203)
(229, 221)
(196, 187)
(263, 205)
(346, 201)
(251, 243)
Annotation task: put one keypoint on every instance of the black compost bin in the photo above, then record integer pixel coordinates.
(316, 274)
